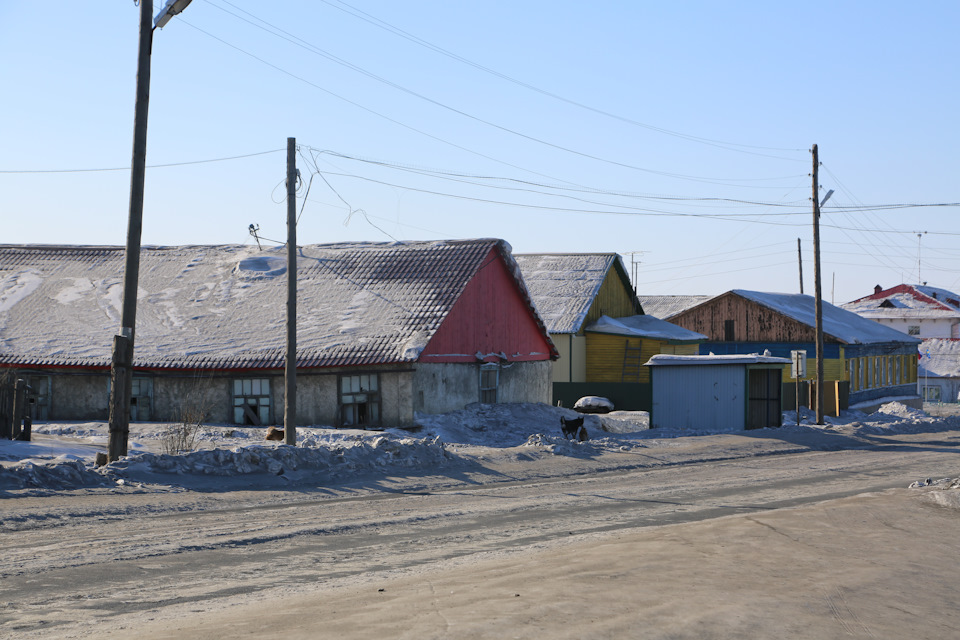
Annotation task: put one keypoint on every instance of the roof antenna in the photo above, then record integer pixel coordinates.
(254, 228)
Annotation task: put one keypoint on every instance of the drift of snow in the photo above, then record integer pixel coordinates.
(61, 455)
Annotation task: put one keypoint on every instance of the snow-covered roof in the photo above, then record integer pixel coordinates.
(225, 306)
(665, 359)
(665, 306)
(842, 325)
(564, 285)
(645, 327)
(907, 301)
(939, 358)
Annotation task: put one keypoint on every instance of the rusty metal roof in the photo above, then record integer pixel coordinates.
(224, 307)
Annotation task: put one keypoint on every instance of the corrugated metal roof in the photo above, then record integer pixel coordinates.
(564, 285)
(845, 326)
(645, 326)
(665, 306)
(907, 301)
(224, 307)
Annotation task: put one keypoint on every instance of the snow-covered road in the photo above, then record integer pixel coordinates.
(74, 560)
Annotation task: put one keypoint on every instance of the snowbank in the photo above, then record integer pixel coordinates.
(61, 455)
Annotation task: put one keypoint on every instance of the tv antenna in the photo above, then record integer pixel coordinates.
(919, 236)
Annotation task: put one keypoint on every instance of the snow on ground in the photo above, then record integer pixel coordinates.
(61, 455)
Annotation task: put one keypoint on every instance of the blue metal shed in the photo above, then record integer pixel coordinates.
(716, 393)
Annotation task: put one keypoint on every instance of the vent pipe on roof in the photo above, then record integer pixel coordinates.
(877, 289)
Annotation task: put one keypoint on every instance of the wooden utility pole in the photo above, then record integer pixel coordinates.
(816, 281)
(121, 364)
(800, 263)
(290, 371)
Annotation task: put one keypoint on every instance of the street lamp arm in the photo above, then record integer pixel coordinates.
(170, 9)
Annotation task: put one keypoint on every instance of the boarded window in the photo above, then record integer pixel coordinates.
(141, 399)
(251, 401)
(913, 330)
(39, 398)
(489, 381)
(360, 400)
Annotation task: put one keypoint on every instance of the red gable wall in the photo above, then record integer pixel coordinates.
(491, 316)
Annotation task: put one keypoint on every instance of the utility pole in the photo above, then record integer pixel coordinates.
(816, 280)
(121, 362)
(290, 371)
(800, 263)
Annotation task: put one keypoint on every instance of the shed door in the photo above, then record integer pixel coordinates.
(763, 408)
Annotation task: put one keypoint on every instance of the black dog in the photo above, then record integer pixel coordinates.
(573, 428)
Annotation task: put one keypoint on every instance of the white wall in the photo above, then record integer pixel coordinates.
(929, 327)
(572, 365)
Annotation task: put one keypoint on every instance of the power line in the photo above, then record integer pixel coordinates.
(149, 166)
(631, 211)
(362, 15)
(459, 176)
(276, 31)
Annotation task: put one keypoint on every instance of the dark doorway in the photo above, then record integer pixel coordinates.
(763, 408)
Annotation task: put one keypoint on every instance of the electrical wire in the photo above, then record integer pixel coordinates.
(149, 166)
(362, 15)
(276, 31)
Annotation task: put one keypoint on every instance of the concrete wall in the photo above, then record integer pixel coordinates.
(442, 388)
(525, 382)
(177, 398)
(432, 388)
(79, 397)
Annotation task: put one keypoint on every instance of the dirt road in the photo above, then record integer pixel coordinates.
(606, 554)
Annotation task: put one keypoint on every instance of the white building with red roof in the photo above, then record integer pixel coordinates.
(917, 310)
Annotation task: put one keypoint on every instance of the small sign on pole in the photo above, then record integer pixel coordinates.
(798, 368)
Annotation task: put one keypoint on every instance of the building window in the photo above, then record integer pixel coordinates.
(489, 381)
(251, 401)
(897, 376)
(931, 394)
(913, 330)
(39, 397)
(141, 399)
(360, 400)
(852, 374)
(729, 331)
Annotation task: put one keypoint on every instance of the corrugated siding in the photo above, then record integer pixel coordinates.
(605, 357)
(699, 397)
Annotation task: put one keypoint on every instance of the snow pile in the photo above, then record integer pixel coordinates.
(561, 446)
(944, 492)
(593, 404)
(61, 456)
(511, 425)
(59, 474)
(363, 454)
(891, 418)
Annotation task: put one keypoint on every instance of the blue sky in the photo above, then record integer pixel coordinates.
(676, 134)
